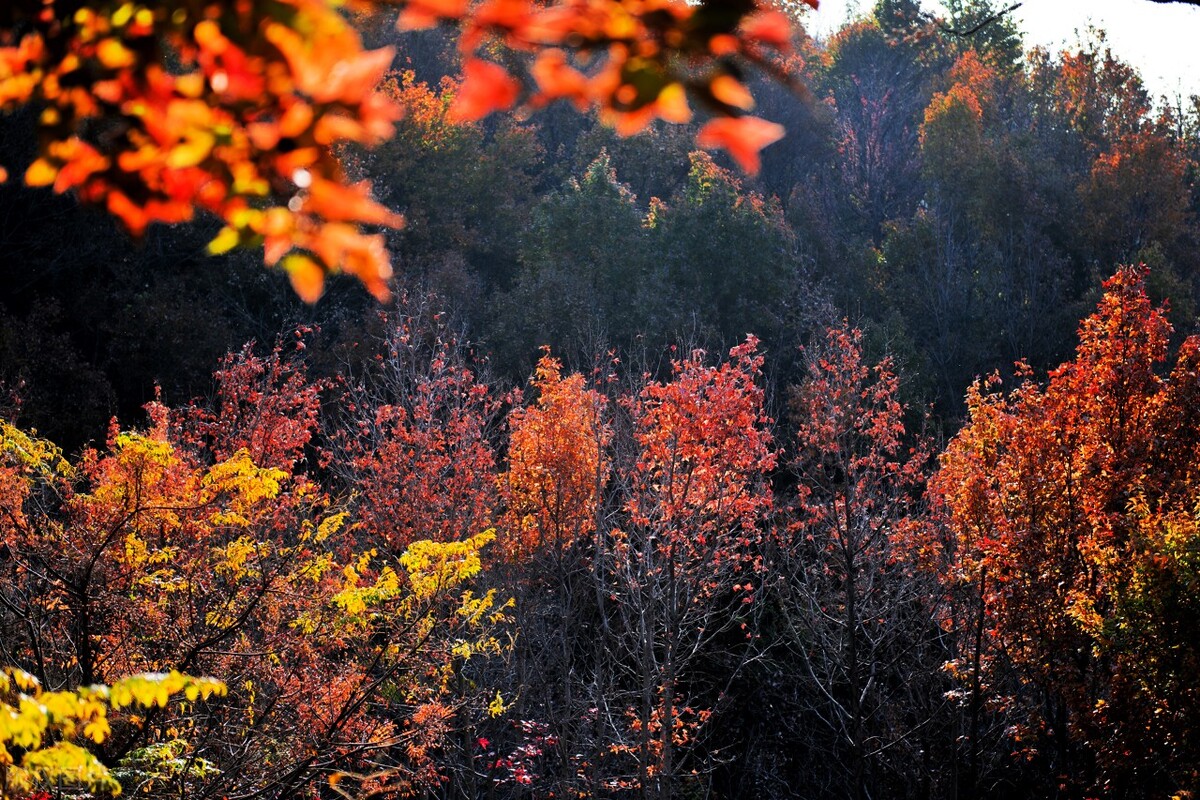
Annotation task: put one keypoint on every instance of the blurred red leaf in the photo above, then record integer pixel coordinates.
(741, 137)
(486, 87)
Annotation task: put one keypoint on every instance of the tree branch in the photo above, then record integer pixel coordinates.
(995, 17)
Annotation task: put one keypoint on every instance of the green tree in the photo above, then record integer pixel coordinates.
(726, 254)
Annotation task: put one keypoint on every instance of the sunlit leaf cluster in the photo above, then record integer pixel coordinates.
(43, 733)
(156, 111)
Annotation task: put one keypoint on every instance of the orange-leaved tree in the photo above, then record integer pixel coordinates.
(1072, 538)
(155, 109)
(557, 465)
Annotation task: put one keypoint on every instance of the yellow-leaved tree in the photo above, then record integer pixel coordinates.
(171, 550)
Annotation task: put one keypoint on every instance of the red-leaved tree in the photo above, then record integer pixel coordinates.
(418, 452)
(858, 616)
(1072, 536)
(687, 556)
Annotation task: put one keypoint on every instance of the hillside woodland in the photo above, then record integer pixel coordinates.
(872, 473)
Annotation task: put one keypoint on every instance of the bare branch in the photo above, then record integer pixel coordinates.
(995, 17)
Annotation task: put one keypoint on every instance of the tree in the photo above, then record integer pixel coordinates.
(587, 270)
(554, 493)
(172, 549)
(856, 616)
(708, 226)
(687, 557)
(416, 446)
(465, 189)
(1070, 511)
(557, 465)
(879, 87)
(155, 111)
(974, 272)
(1137, 198)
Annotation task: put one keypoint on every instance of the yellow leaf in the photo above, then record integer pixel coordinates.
(114, 55)
(223, 242)
(497, 706)
(123, 15)
(97, 730)
(192, 150)
(672, 104)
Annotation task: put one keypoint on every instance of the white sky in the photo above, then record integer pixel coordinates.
(1161, 40)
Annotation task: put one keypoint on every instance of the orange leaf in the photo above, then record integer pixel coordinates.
(555, 78)
(40, 173)
(344, 248)
(554, 24)
(309, 73)
(512, 14)
(330, 242)
(416, 18)
(80, 162)
(190, 85)
(300, 158)
(263, 135)
(277, 227)
(724, 44)
(368, 261)
(333, 126)
(134, 216)
(351, 80)
(731, 92)
(208, 35)
(333, 201)
(137, 160)
(486, 87)
(306, 275)
(420, 14)
(629, 123)
(742, 137)
(296, 120)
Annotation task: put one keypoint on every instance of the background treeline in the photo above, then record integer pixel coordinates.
(729, 576)
(958, 198)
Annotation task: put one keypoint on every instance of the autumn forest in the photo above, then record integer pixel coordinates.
(592, 399)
